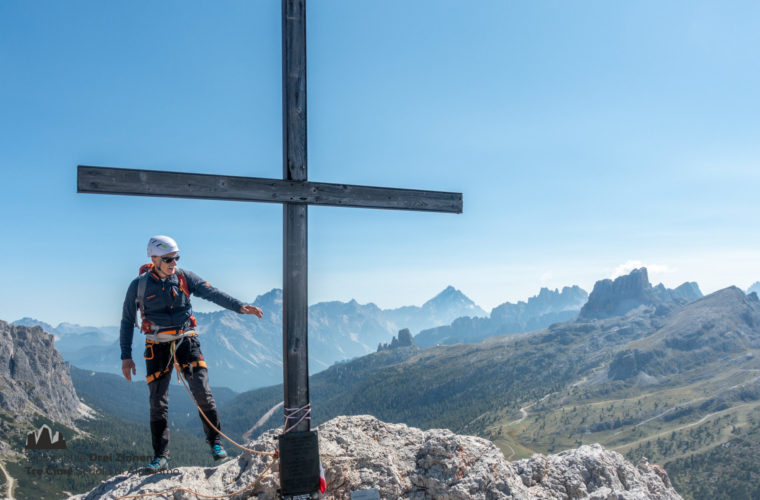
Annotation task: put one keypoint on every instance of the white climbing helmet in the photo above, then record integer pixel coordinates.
(161, 245)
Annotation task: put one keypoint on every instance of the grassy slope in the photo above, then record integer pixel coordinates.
(692, 423)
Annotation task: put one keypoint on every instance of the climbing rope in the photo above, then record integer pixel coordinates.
(253, 484)
(182, 380)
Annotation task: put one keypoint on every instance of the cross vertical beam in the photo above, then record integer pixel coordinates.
(295, 216)
(299, 465)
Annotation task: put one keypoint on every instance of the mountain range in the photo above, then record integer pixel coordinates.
(540, 311)
(244, 352)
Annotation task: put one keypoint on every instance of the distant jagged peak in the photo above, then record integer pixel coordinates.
(569, 294)
(66, 324)
(637, 279)
(566, 290)
(273, 296)
(547, 300)
(404, 339)
(689, 289)
(754, 288)
(340, 307)
(451, 299)
(683, 294)
(27, 321)
(616, 298)
(447, 296)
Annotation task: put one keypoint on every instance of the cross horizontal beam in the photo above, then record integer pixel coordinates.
(109, 180)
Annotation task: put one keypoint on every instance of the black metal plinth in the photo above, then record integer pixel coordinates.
(299, 464)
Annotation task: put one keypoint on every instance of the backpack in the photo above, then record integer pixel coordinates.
(147, 326)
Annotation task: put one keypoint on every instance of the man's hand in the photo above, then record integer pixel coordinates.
(246, 309)
(128, 365)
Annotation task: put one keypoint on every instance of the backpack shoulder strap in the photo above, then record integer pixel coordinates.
(183, 282)
(142, 283)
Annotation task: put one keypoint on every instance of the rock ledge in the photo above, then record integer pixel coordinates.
(362, 452)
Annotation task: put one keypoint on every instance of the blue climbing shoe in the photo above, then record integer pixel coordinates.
(158, 464)
(217, 451)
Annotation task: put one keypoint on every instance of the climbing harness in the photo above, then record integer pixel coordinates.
(165, 337)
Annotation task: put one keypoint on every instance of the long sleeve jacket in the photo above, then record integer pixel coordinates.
(166, 305)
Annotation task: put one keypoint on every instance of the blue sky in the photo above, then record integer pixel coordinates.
(588, 137)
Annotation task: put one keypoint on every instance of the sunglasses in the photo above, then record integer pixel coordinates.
(169, 260)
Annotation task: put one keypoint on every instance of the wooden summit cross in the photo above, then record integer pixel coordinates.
(295, 193)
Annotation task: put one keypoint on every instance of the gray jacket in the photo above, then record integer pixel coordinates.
(166, 305)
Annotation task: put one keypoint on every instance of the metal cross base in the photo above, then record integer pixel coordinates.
(299, 465)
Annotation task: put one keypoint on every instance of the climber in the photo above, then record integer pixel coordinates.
(162, 295)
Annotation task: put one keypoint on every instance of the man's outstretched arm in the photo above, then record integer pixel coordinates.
(204, 290)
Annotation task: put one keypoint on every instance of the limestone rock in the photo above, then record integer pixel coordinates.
(615, 298)
(593, 472)
(404, 339)
(362, 452)
(33, 375)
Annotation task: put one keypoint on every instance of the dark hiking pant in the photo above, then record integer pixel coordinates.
(159, 365)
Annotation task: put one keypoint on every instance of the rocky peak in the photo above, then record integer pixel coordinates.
(754, 288)
(404, 339)
(270, 301)
(34, 376)
(547, 301)
(689, 291)
(361, 453)
(451, 298)
(27, 321)
(683, 294)
(615, 298)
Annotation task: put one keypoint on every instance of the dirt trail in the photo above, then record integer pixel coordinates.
(524, 410)
(261, 421)
(509, 458)
(679, 428)
(9, 482)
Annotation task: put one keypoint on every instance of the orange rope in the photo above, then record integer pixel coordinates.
(181, 379)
